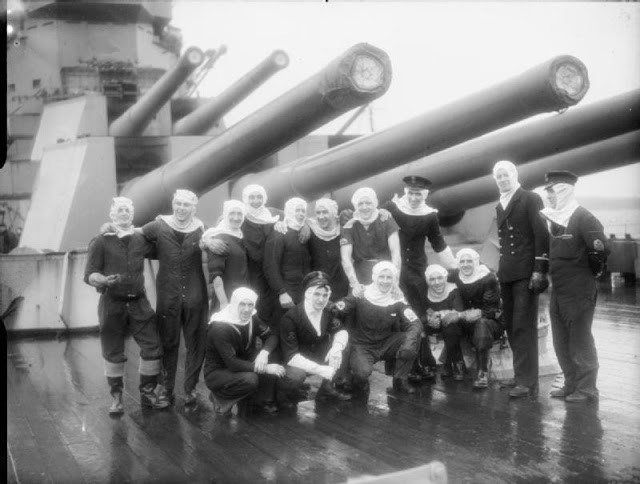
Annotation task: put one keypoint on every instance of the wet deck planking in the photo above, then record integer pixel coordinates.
(58, 429)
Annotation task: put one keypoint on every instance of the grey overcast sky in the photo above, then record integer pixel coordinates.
(439, 51)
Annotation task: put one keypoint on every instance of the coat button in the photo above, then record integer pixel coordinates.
(513, 253)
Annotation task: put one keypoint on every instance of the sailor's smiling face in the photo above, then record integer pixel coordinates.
(466, 265)
(384, 281)
(245, 309)
(320, 298)
(300, 213)
(503, 180)
(365, 207)
(256, 200)
(415, 196)
(324, 218)
(437, 282)
(235, 218)
(122, 216)
(183, 210)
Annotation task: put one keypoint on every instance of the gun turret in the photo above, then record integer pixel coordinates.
(358, 76)
(553, 85)
(591, 158)
(203, 118)
(532, 141)
(135, 119)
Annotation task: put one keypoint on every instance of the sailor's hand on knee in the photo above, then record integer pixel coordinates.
(473, 315)
(275, 369)
(326, 371)
(261, 362)
(334, 358)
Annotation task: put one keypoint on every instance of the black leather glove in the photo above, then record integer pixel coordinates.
(597, 262)
(538, 283)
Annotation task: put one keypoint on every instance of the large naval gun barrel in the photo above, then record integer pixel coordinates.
(553, 85)
(135, 119)
(199, 121)
(602, 155)
(540, 138)
(358, 76)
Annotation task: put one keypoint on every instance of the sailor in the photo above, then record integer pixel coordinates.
(382, 326)
(258, 224)
(312, 340)
(444, 307)
(578, 252)
(522, 271)
(181, 291)
(367, 239)
(235, 369)
(115, 266)
(418, 222)
(324, 246)
(480, 293)
(227, 271)
(287, 260)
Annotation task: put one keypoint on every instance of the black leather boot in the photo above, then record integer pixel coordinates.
(149, 399)
(328, 392)
(116, 407)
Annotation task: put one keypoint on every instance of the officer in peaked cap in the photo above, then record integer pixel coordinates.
(553, 177)
(417, 222)
(578, 252)
(417, 182)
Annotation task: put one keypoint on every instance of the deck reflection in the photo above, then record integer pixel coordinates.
(58, 429)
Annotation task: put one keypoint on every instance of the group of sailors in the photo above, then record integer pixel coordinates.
(331, 295)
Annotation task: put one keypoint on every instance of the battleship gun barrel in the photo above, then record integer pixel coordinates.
(203, 118)
(553, 85)
(540, 138)
(358, 76)
(611, 153)
(135, 119)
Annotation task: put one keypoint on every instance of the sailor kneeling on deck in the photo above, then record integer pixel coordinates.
(480, 295)
(444, 307)
(313, 341)
(238, 348)
(382, 326)
(115, 266)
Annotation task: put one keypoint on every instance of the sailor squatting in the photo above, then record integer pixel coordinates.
(292, 295)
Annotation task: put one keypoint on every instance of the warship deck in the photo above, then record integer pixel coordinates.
(58, 429)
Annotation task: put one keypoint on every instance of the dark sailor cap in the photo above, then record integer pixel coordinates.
(553, 177)
(316, 278)
(417, 182)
